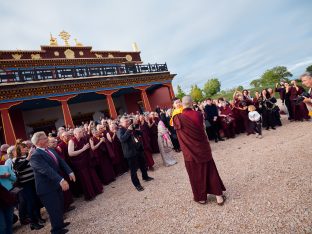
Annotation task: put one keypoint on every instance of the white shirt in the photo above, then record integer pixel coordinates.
(254, 116)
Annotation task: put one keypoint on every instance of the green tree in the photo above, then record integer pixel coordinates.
(240, 88)
(256, 83)
(196, 93)
(309, 68)
(180, 94)
(275, 75)
(211, 87)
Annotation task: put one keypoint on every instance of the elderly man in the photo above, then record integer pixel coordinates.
(306, 79)
(200, 166)
(132, 148)
(49, 183)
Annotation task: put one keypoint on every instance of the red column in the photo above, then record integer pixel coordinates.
(110, 102)
(66, 112)
(145, 100)
(169, 85)
(8, 129)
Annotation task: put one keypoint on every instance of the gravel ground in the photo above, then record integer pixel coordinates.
(268, 181)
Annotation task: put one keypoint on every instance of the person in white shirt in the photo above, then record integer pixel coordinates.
(255, 119)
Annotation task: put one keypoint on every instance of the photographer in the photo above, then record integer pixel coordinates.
(299, 109)
(133, 151)
(306, 79)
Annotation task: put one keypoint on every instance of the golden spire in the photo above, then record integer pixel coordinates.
(78, 43)
(65, 37)
(135, 47)
(53, 40)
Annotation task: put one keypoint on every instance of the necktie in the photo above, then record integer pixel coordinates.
(52, 156)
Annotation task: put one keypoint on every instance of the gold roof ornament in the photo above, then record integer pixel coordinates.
(65, 37)
(98, 55)
(53, 40)
(69, 54)
(78, 43)
(110, 55)
(128, 57)
(135, 47)
(35, 56)
(17, 56)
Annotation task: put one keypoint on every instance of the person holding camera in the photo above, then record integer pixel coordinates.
(132, 148)
(299, 109)
(306, 79)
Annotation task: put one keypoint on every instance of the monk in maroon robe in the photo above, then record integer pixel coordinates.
(115, 151)
(79, 152)
(227, 120)
(100, 159)
(62, 148)
(148, 151)
(299, 110)
(200, 166)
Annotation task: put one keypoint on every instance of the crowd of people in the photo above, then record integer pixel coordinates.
(49, 170)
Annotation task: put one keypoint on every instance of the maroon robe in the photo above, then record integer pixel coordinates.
(228, 122)
(102, 163)
(242, 120)
(86, 174)
(200, 166)
(146, 140)
(115, 152)
(300, 111)
(68, 197)
(154, 136)
(75, 187)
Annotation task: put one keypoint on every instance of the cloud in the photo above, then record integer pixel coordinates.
(235, 41)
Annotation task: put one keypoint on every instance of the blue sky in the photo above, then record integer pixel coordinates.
(233, 40)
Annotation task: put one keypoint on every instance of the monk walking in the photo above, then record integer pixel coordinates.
(200, 166)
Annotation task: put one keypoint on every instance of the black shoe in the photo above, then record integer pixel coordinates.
(70, 208)
(221, 139)
(273, 128)
(64, 230)
(216, 140)
(41, 221)
(148, 178)
(66, 224)
(35, 226)
(139, 188)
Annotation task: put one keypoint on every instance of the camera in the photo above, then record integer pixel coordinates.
(302, 97)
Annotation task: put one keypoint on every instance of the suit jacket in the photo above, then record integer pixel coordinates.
(47, 172)
(128, 144)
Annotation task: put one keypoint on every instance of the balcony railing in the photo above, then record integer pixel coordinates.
(54, 73)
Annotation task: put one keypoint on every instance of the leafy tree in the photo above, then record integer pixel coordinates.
(211, 87)
(240, 88)
(256, 83)
(275, 75)
(180, 94)
(309, 68)
(196, 93)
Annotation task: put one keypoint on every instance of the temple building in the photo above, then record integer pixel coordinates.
(65, 85)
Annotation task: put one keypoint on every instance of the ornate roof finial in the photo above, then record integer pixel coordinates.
(135, 47)
(65, 37)
(53, 40)
(78, 43)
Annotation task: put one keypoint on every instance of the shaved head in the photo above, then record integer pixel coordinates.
(187, 101)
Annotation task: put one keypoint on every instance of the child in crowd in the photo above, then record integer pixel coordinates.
(255, 119)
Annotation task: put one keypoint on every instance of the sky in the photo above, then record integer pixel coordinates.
(234, 40)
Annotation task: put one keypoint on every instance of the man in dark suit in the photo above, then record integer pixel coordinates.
(133, 151)
(211, 114)
(47, 164)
